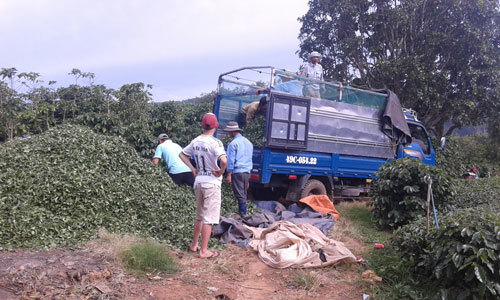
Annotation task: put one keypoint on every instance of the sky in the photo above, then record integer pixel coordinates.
(180, 47)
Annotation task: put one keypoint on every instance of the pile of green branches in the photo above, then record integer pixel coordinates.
(58, 188)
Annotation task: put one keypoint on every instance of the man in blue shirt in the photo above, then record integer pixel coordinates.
(239, 165)
(169, 151)
(314, 71)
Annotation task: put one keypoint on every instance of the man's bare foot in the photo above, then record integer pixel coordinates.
(192, 249)
(209, 254)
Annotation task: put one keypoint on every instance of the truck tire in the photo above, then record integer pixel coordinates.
(313, 187)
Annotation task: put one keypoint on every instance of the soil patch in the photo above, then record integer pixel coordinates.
(93, 272)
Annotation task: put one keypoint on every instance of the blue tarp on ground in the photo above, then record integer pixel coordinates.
(231, 230)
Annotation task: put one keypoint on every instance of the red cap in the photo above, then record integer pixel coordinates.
(209, 121)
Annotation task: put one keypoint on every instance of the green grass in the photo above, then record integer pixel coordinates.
(399, 281)
(148, 257)
(361, 218)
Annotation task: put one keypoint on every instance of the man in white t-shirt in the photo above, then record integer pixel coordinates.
(207, 151)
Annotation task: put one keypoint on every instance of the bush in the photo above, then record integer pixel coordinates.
(472, 193)
(481, 194)
(463, 153)
(463, 255)
(411, 239)
(59, 187)
(461, 259)
(400, 191)
(180, 120)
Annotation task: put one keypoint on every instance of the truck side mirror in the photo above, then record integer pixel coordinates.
(443, 144)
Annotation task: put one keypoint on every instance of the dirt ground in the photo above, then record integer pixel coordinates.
(94, 272)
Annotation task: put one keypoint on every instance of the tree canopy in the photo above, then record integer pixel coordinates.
(30, 106)
(441, 57)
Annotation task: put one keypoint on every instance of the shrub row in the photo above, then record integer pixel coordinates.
(471, 193)
(463, 153)
(461, 259)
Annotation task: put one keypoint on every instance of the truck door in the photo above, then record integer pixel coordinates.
(288, 122)
(421, 146)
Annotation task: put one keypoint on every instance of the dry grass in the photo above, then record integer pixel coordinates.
(116, 243)
(305, 279)
(226, 268)
(344, 226)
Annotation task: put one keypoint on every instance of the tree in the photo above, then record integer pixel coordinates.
(31, 117)
(133, 101)
(441, 57)
(10, 104)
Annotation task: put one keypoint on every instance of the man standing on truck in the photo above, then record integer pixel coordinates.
(312, 70)
(249, 112)
(239, 165)
(207, 151)
(169, 151)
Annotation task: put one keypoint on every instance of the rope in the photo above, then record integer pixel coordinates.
(241, 78)
(260, 72)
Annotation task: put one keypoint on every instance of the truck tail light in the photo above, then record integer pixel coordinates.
(254, 177)
(292, 177)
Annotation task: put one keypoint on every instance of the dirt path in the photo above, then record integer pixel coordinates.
(93, 273)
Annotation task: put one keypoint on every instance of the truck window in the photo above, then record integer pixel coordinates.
(289, 121)
(419, 137)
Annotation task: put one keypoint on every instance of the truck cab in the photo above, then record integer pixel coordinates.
(421, 146)
(307, 145)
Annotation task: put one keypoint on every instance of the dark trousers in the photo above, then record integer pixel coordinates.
(186, 178)
(242, 120)
(239, 183)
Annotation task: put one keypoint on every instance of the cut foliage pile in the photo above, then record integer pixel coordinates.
(254, 131)
(59, 187)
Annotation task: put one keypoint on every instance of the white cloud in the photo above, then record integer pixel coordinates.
(179, 46)
(60, 34)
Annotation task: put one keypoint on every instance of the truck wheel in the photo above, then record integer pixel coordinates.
(313, 187)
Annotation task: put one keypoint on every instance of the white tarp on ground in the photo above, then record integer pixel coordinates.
(285, 244)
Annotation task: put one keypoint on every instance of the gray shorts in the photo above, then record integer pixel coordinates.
(208, 202)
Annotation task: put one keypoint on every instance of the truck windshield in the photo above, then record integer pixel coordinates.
(419, 136)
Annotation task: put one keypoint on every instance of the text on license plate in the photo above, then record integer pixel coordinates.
(293, 159)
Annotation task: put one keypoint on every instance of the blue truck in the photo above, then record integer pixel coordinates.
(332, 144)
